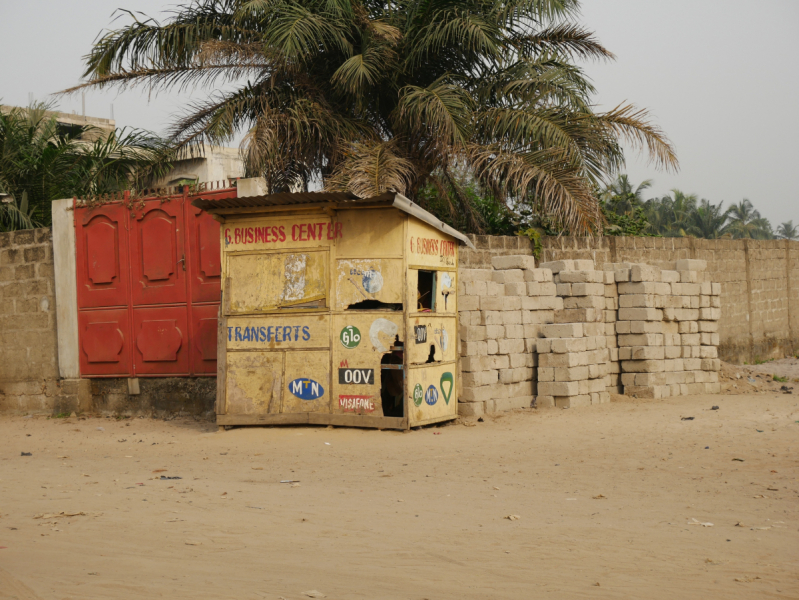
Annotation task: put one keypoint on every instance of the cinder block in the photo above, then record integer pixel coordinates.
(708, 352)
(514, 346)
(544, 288)
(471, 409)
(515, 289)
(512, 317)
(474, 348)
(513, 262)
(542, 303)
(595, 302)
(572, 401)
(571, 373)
(642, 366)
(640, 272)
(563, 330)
(669, 276)
(508, 276)
(710, 314)
(563, 289)
(494, 332)
(472, 333)
(646, 287)
(538, 275)
(513, 332)
(640, 314)
(588, 289)
(688, 264)
(544, 401)
(582, 277)
(577, 315)
(622, 275)
(558, 266)
(715, 289)
(500, 303)
(564, 345)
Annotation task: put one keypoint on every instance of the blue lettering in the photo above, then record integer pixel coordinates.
(296, 332)
(287, 333)
(262, 332)
(238, 334)
(229, 333)
(278, 330)
(306, 333)
(269, 334)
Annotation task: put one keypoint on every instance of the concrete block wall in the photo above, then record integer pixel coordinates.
(630, 328)
(28, 364)
(759, 280)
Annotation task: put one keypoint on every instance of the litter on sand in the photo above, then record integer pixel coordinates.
(59, 514)
(739, 459)
(695, 522)
(714, 408)
(314, 594)
(686, 418)
(26, 454)
(289, 481)
(165, 477)
(513, 517)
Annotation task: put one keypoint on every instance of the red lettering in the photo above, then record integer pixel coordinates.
(237, 235)
(339, 228)
(330, 231)
(311, 231)
(266, 231)
(294, 229)
(227, 236)
(259, 235)
(250, 235)
(282, 231)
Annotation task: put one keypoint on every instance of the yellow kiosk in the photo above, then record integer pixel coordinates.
(336, 310)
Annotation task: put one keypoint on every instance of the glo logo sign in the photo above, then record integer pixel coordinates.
(306, 389)
(350, 336)
(418, 395)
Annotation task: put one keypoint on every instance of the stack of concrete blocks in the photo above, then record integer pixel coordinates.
(613, 383)
(573, 357)
(665, 330)
(501, 312)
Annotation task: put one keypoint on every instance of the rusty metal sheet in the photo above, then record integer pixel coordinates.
(362, 279)
(307, 382)
(264, 282)
(436, 334)
(278, 332)
(204, 261)
(203, 338)
(104, 342)
(432, 392)
(254, 382)
(160, 336)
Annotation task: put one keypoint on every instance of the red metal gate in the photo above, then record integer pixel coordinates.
(148, 286)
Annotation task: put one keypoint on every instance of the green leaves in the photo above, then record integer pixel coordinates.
(463, 97)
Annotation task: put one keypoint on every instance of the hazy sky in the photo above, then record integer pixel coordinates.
(721, 77)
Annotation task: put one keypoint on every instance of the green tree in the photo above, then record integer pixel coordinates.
(670, 216)
(787, 231)
(39, 163)
(622, 196)
(746, 222)
(372, 96)
(708, 221)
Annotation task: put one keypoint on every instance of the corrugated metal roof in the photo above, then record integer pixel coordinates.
(290, 199)
(341, 199)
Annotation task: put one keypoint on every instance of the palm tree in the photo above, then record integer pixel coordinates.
(39, 163)
(622, 196)
(746, 222)
(371, 96)
(787, 231)
(708, 221)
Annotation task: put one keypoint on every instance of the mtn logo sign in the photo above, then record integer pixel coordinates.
(306, 389)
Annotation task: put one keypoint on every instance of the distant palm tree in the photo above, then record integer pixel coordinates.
(622, 196)
(787, 231)
(373, 96)
(746, 222)
(708, 221)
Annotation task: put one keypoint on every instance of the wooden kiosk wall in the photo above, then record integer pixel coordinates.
(293, 349)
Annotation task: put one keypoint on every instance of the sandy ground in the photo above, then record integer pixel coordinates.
(613, 501)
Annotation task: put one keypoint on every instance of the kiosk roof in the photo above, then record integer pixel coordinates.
(338, 200)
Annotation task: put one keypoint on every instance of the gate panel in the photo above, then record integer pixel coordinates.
(104, 343)
(160, 341)
(157, 247)
(205, 265)
(102, 256)
(203, 335)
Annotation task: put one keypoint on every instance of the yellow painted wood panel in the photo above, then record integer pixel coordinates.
(254, 383)
(269, 233)
(262, 282)
(438, 333)
(307, 382)
(361, 279)
(362, 398)
(432, 392)
(278, 332)
(427, 246)
(446, 292)
(370, 233)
